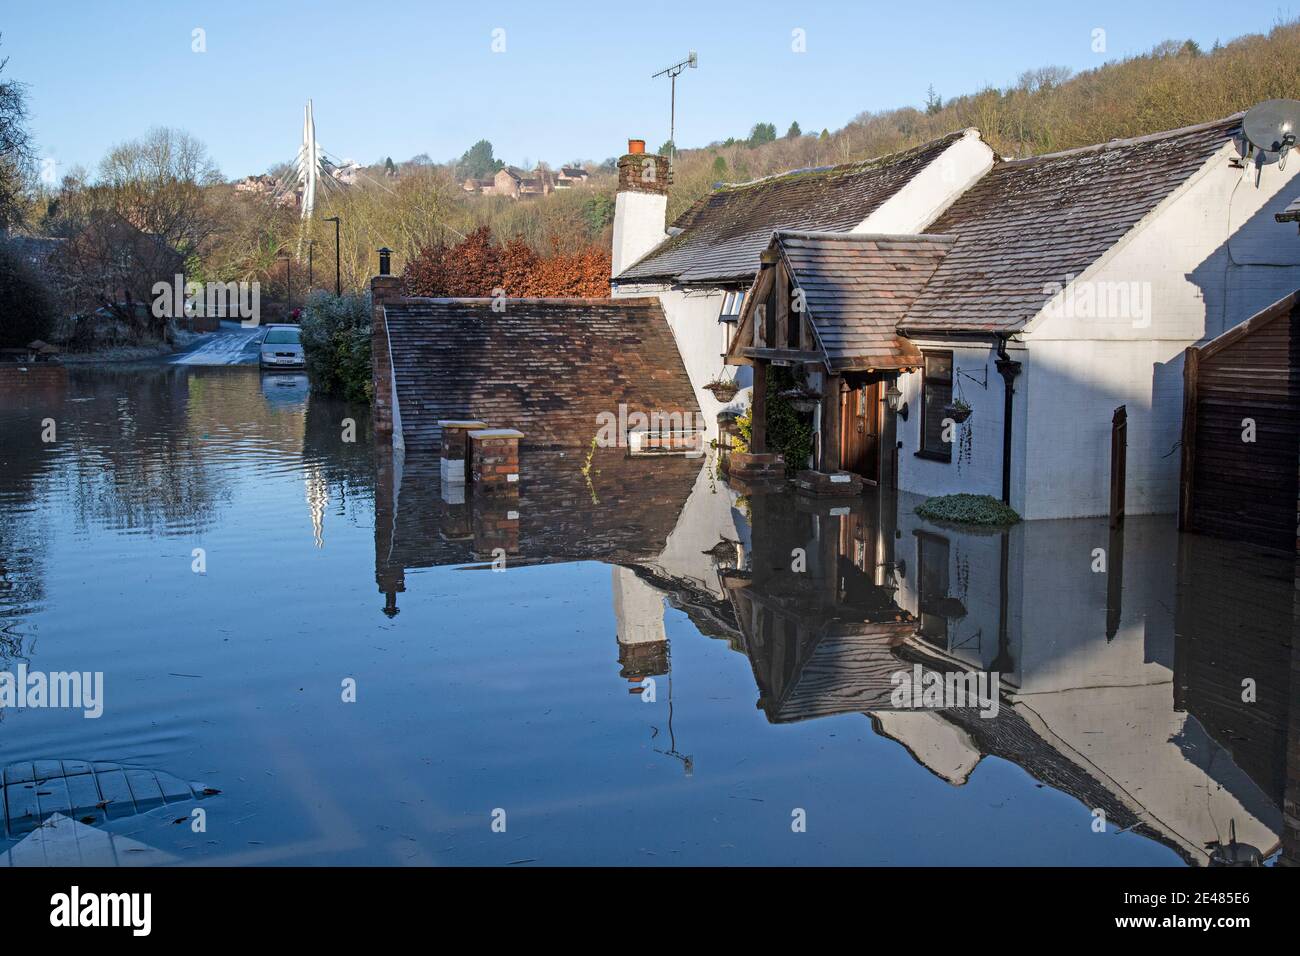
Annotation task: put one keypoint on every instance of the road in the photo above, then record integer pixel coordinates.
(233, 345)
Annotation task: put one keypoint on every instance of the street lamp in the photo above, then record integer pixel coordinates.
(338, 285)
(311, 248)
(288, 277)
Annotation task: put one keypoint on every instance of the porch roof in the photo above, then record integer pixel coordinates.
(857, 287)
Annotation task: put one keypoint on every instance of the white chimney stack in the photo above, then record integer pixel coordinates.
(641, 205)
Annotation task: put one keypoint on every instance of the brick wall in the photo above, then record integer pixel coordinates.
(383, 289)
(32, 377)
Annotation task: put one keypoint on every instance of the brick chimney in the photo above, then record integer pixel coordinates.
(641, 205)
(383, 288)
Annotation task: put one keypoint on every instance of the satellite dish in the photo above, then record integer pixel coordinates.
(1272, 127)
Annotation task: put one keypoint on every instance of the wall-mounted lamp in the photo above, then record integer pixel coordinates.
(894, 398)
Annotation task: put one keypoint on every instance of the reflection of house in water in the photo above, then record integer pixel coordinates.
(1104, 696)
(642, 640)
(1238, 615)
(816, 609)
(624, 514)
(1120, 687)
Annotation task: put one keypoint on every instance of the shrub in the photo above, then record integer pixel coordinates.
(787, 432)
(336, 340)
(27, 309)
(478, 265)
(968, 509)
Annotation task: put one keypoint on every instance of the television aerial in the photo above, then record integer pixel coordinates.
(672, 72)
(1272, 127)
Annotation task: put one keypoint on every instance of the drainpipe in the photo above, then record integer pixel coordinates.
(1008, 368)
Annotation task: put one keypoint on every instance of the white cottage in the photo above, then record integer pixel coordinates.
(703, 265)
(1093, 269)
(1059, 298)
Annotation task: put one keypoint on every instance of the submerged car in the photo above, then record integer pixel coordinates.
(282, 348)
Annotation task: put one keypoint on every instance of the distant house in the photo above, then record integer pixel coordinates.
(267, 188)
(569, 176)
(516, 183)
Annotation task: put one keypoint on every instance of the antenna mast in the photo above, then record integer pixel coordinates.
(672, 72)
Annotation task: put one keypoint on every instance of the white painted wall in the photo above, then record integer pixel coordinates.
(639, 226)
(931, 191)
(1210, 257)
(982, 473)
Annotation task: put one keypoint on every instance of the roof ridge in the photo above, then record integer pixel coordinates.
(1159, 136)
(866, 236)
(882, 159)
(414, 301)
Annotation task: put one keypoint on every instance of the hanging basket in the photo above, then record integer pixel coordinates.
(958, 413)
(802, 399)
(723, 391)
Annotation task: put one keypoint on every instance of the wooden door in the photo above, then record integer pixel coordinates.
(860, 418)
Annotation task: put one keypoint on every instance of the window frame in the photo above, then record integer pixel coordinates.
(922, 451)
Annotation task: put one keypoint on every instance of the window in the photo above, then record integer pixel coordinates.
(936, 393)
(282, 337)
(732, 303)
(932, 584)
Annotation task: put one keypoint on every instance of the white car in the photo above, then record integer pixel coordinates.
(282, 347)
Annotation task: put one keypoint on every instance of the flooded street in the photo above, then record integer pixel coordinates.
(664, 672)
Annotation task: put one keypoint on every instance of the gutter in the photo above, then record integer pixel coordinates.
(1008, 368)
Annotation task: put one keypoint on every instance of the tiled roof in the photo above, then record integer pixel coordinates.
(723, 233)
(1031, 222)
(548, 367)
(858, 287)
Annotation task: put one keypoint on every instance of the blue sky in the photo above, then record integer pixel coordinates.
(400, 78)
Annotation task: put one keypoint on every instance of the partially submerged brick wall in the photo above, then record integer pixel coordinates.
(494, 460)
(383, 289)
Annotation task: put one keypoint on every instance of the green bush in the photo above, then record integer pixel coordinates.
(787, 430)
(336, 340)
(27, 310)
(967, 509)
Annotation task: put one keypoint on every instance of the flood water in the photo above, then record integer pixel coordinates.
(664, 672)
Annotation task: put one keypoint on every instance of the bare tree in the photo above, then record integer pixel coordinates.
(148, 213)
(15, 150)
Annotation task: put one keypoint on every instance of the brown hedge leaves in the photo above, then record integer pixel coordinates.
(478, 265)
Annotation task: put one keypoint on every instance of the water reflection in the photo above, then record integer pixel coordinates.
(1149, 676)
(1120, 653)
